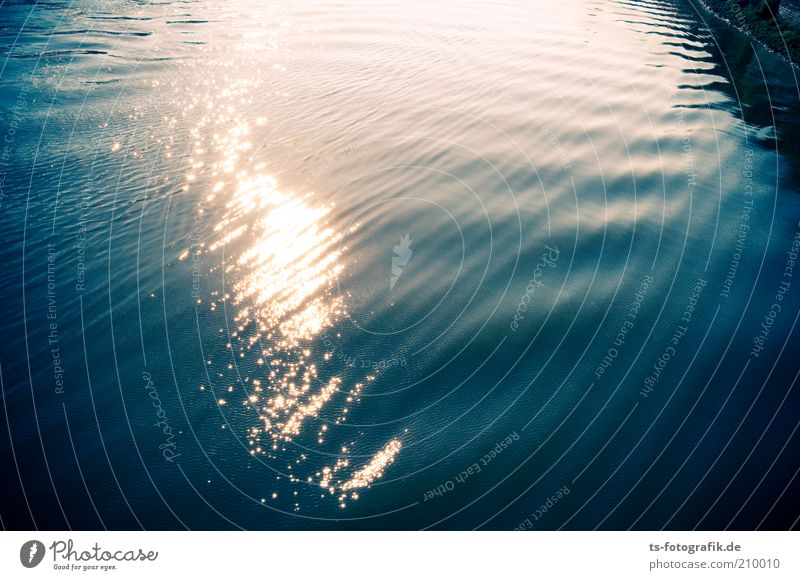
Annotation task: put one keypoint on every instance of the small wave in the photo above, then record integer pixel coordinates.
(106, 32)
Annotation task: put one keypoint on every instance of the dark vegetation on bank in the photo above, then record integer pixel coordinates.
(763, 20)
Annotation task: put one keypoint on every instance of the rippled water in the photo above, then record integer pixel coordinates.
(380, 265)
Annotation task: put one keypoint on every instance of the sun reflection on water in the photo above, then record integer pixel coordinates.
(283, 280)
(281, 258)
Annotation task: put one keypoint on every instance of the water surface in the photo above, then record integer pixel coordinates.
(377, 265)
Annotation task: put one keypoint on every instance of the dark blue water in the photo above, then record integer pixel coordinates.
(318, 265)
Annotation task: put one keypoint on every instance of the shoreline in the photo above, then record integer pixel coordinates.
(762, 31)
